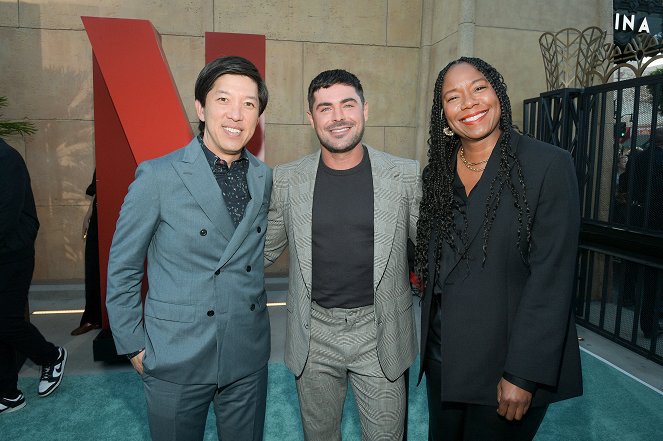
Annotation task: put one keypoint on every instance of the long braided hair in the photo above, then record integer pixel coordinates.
(437, 204)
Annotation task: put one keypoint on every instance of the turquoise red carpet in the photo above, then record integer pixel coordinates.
(110, 407)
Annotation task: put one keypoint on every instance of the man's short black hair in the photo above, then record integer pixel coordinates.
(228, 65)
(330, 77)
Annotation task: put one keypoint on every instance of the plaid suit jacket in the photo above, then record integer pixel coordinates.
(397, 192)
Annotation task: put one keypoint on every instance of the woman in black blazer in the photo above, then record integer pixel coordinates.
(496, 251)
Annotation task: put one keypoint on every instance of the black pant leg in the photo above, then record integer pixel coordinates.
(648, 314)
(8, 372)
(448, 421)
(445, 420)
(15, 333)
(483, 423)
(92, 313)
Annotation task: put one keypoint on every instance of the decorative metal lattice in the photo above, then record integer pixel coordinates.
(632, 61)
(569, 55)
(574, 58)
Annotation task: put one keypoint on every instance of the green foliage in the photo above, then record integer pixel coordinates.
(14, 127)
(658, 87)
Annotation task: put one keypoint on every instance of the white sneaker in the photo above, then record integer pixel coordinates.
(51, 375)
(11, 404)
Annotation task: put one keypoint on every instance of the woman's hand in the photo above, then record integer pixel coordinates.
(513, 400)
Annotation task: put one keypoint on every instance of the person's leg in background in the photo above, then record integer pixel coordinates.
(91, 318)
(18, 335)
(649, 315)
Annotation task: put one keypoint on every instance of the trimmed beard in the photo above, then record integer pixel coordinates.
(354, 142)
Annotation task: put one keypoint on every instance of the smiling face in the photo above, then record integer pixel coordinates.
(230, 115)
(338, 117)
(470, 105)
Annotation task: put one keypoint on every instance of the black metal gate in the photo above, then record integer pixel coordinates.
(615, 133)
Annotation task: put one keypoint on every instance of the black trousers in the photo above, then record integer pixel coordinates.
(15, 333)
(649, 314)
(92, 313)
(450, 421)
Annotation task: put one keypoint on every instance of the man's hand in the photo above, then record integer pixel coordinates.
(513, 401)
(137, 362)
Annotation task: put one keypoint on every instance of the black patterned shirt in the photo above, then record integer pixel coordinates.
(232, 181)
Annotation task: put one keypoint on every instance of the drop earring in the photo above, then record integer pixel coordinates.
(447, 131)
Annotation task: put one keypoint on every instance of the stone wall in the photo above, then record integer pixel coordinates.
(395, 47)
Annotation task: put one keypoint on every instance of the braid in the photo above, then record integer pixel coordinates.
(437, 204)
(435, 211)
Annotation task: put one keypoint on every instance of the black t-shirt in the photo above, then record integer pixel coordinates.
(342, 236)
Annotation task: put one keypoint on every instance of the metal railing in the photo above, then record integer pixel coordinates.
(611, 131)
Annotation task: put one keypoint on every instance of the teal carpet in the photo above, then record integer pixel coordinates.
(111, 407)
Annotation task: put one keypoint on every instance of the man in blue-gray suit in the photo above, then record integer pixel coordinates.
(199, 216)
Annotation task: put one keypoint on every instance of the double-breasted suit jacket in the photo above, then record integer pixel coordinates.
(509, 314)
(397, 191)
(205, 318)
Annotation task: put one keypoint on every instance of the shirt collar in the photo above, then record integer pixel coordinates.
(212, 158)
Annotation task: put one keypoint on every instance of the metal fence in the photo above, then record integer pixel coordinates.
(611, 131)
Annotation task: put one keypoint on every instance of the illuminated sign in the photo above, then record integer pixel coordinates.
(633, 17)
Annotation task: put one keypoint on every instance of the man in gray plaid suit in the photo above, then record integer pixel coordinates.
(347, 212)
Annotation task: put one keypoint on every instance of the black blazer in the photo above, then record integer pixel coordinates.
(508, 316)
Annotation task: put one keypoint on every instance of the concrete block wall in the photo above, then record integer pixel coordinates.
(396, 48)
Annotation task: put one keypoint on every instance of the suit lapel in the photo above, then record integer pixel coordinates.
(386, 206)
(256, 180)
(302, 186)
(196, 175)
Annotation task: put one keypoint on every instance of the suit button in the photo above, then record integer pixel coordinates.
(306, 325)
(248, 269)
(210, 313)
(258, 229)
(203, 232)
(253, 306)
(217, 272)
